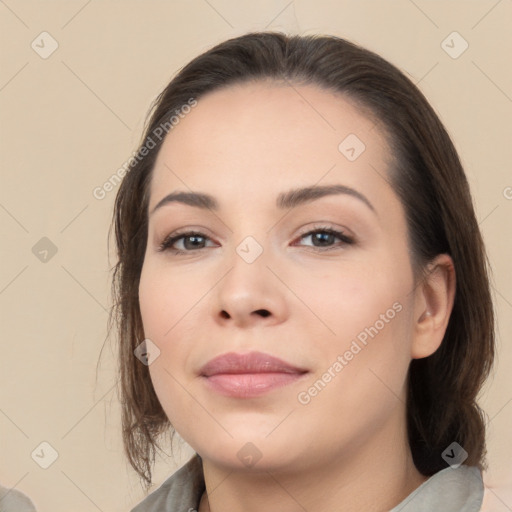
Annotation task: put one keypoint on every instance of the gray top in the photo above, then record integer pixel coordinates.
(12, 500)
(449, 490)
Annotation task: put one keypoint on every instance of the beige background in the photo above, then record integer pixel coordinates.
(70, 120)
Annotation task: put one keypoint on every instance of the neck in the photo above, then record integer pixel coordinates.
(375, 477)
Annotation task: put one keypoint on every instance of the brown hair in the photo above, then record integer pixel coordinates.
(430, 182)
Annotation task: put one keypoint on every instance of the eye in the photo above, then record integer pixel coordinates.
(323, 238)
(187, 242)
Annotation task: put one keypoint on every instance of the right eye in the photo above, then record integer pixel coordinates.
(189, 241)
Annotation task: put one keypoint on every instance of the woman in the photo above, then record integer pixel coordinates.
(302, 289)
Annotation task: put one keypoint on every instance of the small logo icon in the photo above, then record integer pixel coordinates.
(454, 455)
(249, 249)
(146, 352)
(454, 45)
(44, 250)
(249, 455)
(44, 45)
(45, 455)
(351, 147)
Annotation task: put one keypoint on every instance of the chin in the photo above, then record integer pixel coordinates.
(252, 451)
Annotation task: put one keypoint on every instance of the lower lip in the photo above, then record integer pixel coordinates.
(248, 385)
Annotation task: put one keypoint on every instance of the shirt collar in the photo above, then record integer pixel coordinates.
(458, 489)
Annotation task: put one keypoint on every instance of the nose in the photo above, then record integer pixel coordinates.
(261, 312)
(250, 294)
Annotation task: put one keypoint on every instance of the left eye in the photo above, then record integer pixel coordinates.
(325, 238)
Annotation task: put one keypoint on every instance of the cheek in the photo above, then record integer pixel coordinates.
(362, 377)
(367, 309)
(350, 297)
(171, 311)
(166, 299)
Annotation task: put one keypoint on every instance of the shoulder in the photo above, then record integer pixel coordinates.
(12, 500)
(458, 489)
(181, 491)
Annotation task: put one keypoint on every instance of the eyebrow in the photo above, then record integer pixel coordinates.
(290, 199)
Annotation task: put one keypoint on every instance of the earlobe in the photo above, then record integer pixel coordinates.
(433, 306)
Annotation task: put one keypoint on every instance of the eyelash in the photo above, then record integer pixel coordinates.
(167, 243)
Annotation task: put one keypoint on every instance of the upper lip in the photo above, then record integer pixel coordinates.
(252, 362)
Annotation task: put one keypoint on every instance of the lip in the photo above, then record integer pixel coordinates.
(248, 375)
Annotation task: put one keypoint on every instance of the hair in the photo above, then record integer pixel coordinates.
(426, 174)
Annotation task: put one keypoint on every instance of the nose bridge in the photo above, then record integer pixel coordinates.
(250, 249)
(249, 275)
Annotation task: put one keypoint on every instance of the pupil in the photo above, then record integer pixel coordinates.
(323, 238)
(194, 240)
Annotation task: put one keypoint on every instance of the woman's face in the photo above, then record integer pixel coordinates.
(266, 272)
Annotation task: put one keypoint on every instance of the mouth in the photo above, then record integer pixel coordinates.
(249, 375)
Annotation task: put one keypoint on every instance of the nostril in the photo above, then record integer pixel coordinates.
(263, 312)
(224, 314)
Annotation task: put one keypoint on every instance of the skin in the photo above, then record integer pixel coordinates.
(346, 450)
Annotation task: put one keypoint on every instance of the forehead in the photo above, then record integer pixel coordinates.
(255, 137)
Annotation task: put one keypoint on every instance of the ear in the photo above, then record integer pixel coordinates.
(433, 304)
